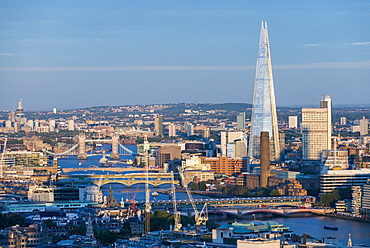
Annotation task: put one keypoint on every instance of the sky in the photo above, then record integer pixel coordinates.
(75, 54)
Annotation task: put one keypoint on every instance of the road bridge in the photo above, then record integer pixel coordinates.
(108, 169)
(154, 179)
(251, 202)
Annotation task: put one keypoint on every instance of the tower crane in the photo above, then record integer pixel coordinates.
(2, 159)
(148, 206)
(201, 217)
(176, 213)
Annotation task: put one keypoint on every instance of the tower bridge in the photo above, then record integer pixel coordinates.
(79, 149)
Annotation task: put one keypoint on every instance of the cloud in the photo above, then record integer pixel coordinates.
(5, 54)
(366, 43)
(327, 65)
(312, 45)
(320, 65)
(134, 68)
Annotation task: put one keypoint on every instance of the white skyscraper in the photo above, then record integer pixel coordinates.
(293, 121)
(316, 129)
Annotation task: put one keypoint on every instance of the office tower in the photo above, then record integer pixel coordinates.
(158, 125)
(265, 159)
(316, 129)
(293, 121)
(343, 121)
(264, 109)
(172, 130)
(230, 143)
(364, 126)
(167, 153)
(54, 110)
(240, 120)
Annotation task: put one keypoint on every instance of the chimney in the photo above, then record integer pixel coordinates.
(265, 159)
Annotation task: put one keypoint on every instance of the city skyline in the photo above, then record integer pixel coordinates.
(76, 55)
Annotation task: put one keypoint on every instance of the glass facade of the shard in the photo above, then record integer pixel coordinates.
(264, 109)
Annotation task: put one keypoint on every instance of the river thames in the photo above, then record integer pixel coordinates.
(312, 225)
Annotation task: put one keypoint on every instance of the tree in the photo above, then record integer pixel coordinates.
(77, 230)
(125, 230)
(160, 220)
(194, 186)
(328, 199)
(203, 186)
(274, 193)
(106, 237)
(50, 224)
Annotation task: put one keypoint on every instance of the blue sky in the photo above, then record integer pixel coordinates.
(73, 54)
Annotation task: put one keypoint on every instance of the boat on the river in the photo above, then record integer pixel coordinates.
(334, 228)
(154, 194)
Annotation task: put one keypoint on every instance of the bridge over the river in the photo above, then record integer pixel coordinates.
(79, 149)
(154, 179)
(107, 169)
(248, 202)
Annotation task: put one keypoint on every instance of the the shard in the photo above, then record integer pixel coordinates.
(264, 117)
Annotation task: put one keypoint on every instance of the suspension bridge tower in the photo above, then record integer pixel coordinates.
(114, 155)
(81, 147)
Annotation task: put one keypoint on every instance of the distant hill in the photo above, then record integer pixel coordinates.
(229, 107)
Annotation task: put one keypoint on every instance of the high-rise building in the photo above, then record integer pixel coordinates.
(158, 125)
(316, 129)
(189, 129)
(240, 120)
(71, 125)
(172, 130)
(364, 126)
(264, 109)
(232, 144)
(293, 121)
(206, 133)
(19, 113)
(343, 120)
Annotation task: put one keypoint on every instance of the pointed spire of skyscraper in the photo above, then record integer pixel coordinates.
(264, 117)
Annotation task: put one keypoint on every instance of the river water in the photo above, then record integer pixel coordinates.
(313, 225)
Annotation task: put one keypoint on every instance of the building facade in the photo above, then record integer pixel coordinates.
(226, 165)
(158, 125)
(240, 121)
(316, 129)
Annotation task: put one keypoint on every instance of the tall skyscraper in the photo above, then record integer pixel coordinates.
(158, 125)
(172, 130)
(264, 117)
(293, 121)
(364, 126)
(240, 120)
(316, 129)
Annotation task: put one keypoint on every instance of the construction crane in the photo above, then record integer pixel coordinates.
(177, 218)
(148, 206)
(201, 217)
(2, 159)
